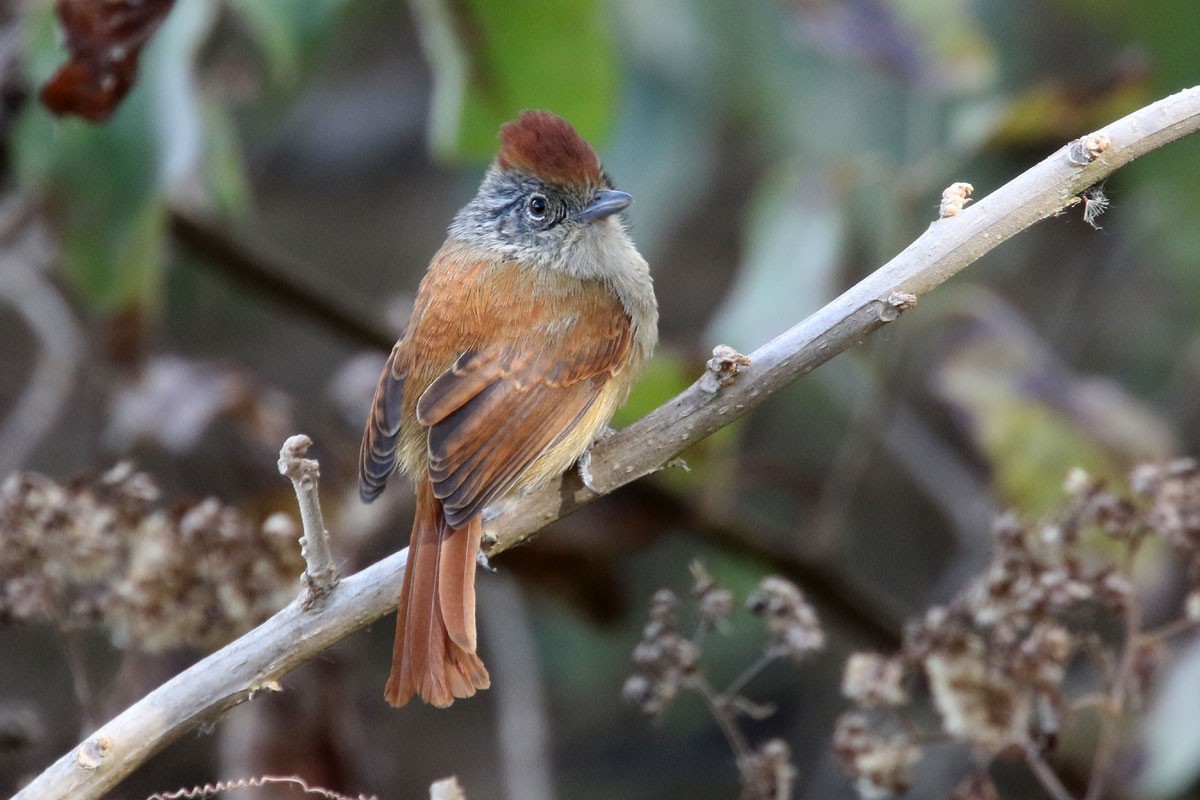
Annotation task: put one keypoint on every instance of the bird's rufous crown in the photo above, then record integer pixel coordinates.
(545, 145)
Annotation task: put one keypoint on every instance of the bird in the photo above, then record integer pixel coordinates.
(527, 333)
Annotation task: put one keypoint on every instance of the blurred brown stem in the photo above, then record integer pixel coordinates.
(256, 266)
(1109, 723)
(743, 753)
(294, 635)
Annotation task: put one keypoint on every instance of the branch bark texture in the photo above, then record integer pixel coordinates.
(296, 634)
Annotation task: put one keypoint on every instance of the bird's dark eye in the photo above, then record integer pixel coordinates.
(536, 207)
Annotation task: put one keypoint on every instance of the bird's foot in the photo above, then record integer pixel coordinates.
(584, 466)
(584, 462)
(482, 560)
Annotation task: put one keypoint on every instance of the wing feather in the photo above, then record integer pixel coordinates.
(498, 408)
(377, 454)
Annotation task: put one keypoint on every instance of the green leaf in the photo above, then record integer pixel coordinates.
(100, 184)
(492, 59)
(107, 185)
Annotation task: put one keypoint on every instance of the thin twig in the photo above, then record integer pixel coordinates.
(1171, 629)
(295, 287)
(748, 674)
(294, 635)
(742, 751)
(320, 574)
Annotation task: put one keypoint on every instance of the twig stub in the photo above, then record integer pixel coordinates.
(896, 303)
(320, 575)
(1087, 149)
(722, 369)
(954, 198)
(292, 461)
(91, 754)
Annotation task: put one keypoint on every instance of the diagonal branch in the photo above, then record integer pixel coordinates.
(294, 635)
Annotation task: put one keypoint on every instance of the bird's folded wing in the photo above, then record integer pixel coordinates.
(377, 454)
(498, 408)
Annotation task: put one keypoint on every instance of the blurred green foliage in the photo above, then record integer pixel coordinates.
(288, 32)
(492, 59)
(109, 184)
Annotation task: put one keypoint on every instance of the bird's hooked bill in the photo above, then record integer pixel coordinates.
(606, 203)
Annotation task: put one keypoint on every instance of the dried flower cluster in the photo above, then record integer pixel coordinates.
(667, 661)
(880, 764)
(994, 660)
(770, 772)
(665, 658)
(103, 552)
(791, 621)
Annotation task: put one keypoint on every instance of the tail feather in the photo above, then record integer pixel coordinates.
(434, 654)
(456, 584)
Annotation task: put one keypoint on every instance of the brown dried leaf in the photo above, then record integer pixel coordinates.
(105, 39)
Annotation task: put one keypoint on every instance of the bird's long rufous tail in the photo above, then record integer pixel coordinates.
(434, 653)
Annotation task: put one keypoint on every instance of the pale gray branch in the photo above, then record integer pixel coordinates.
(948, 246)
(294, 635)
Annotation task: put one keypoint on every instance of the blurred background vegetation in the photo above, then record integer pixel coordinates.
(224, 261)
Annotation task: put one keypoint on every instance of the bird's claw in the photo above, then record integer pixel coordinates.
(482, 560)
(584, 465)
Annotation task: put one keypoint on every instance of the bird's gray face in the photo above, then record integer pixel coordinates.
(527, 219)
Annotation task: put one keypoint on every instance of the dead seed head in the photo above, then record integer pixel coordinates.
(995, 659)
(715, 601)
(881, 765)
(102, 552)
(871, 680)
(791, 622)
(664, 658)
(768, 773)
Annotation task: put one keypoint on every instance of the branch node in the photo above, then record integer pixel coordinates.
(722, 368)
(896, 303)
(320, 574)
(91, 754)
(955, 196)
(267, 687)
(1087, 149)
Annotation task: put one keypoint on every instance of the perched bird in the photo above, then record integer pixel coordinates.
(527, 333)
